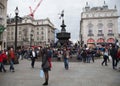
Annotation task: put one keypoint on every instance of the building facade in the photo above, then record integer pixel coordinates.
(30, 32)
(3, 14)
(98, 25)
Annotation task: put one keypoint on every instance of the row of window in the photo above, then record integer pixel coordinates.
(1, 11)
(38, 38)
(100, 25)
(20, 32)
(24, 33)
(101, 34)
(20, 28)
(100, 31)
(99, 14)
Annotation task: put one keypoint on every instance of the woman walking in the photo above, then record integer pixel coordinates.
(45, 65)
(11, 58)
(66, 57)
(105, 57)
(2, 57)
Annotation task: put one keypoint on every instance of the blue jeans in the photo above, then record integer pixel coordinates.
(66, 63)
(88, 58)
(2, 67)
(11, 64)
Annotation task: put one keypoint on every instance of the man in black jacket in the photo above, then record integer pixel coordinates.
(113, 53)
(33, 56)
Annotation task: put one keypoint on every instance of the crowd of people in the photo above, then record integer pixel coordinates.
(82, 54)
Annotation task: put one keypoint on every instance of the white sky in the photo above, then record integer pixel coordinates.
(51, 9)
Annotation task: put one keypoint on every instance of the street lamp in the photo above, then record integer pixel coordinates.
(16, 21)
(31, 39)
(5, 39)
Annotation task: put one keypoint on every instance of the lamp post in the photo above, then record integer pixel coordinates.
(16, 21)
(5, 39)
(31, 39)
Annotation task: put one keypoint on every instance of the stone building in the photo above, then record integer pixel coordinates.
(99, 25)
(3, 13)
(30, 32)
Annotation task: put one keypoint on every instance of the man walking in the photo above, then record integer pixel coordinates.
(33, 56)
(11, 58)
(113, 53)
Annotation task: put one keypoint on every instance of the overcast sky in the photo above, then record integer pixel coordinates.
(51, 9)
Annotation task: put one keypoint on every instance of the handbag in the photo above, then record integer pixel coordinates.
(46, 65)
(41, 73)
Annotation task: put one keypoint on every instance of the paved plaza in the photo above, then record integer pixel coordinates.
(79, 74)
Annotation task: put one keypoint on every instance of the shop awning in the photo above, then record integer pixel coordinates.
(90, 40)
(100, 40)
(110, 40)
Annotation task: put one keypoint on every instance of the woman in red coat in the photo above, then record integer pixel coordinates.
(2, 57)
(118, 54)
(5, 57)
(1, 60)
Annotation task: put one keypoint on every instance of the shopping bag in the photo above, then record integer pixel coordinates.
(41, 73)
(110, 57)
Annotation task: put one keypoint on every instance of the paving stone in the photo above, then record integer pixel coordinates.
(79, 74)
